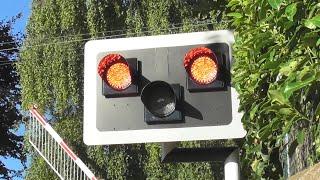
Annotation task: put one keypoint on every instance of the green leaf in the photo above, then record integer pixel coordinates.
(300, 137)
(272, 53)
(288, 24)
(265, 132)
(235, 15)
(254, 164)
(296, 85)
(287, 68)
(313, 22)
(276, 95)
(232, 3)
(253, 111)
(285, 111)
(317, 112)
(286, 128)
(291, 10)
(318, 42)
(275, 4)
(271, 65)
(305, 73)
(309, 24)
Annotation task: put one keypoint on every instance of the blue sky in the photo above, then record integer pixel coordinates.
(8, 9)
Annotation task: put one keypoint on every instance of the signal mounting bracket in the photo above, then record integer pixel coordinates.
(228, 155)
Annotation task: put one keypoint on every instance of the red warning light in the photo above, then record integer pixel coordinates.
(201, 65)
(115, 71)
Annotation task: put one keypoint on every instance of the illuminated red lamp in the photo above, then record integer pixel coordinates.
(115, 71)
(118, 75)
(202, 67)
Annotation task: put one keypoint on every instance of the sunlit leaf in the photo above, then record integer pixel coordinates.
(278, 96)
(285, 111)
(291, 10)
(275, 4)
(317, 112)
(287, 68)
(254, 164)
(306, 73)
(296, 85)
(253, 111)
(317, 146)
(232, 3)
(313, 22)
(309, 24)
(318, 42)
(235, 15)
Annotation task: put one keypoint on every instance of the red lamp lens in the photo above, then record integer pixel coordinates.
(115, 71)
(201, 65)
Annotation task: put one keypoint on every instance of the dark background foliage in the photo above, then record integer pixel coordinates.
(11, 145)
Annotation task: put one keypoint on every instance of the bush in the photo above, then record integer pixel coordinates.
(276, 73)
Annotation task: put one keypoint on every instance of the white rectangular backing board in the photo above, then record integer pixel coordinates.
(121, 120)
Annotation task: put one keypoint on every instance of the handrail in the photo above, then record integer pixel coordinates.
(51, 147)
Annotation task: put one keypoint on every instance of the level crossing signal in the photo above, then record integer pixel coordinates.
(160, 89)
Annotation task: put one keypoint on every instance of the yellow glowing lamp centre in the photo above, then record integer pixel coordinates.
(118, 76)
(204, 70)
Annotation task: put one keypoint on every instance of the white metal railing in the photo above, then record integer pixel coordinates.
(55, 151)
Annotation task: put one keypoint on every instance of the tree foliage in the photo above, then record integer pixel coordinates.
(52, 67)
(11, 144)
(276, 73)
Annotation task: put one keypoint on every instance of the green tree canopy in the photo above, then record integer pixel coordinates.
(52, 75)
(11, 144)
(276, 73)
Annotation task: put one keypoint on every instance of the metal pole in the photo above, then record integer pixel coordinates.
(231, 166)
(166, 148)
(286, 167)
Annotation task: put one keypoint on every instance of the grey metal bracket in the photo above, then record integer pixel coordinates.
(170, 153)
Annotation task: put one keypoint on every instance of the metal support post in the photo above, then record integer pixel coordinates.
(166, 148)
(228, 155)
(231, 166)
